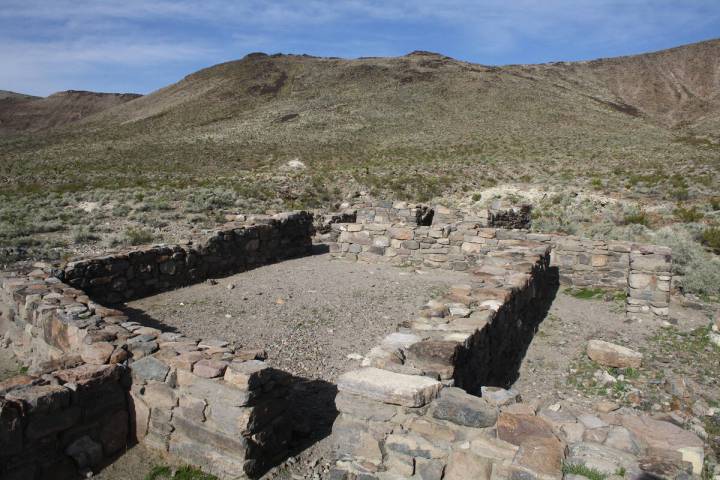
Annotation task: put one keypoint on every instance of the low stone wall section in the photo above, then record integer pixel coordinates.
(643, 271)
(410, 412)
(234, 248)
(64, 423)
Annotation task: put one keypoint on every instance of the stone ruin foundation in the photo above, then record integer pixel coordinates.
(421, 404)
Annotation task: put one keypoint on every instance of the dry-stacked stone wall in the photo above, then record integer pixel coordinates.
(643, 271)
(71, 420)
(99, 381)
(232, 249)
(410, 411)
(510, 217)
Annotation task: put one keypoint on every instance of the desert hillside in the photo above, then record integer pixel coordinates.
(605, 148)
(25, 113)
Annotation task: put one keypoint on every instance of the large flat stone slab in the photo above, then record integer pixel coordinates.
(611, 355)
(390, 387)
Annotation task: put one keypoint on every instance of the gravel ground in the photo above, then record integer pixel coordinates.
(308, 313)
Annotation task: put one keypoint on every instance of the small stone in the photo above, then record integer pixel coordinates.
(230, 286)
(612, 355)
(354, 356)
(209, 368)
(97, 353)
(499, 396)
(459, 407)
(212, 343)
(149, 368)
(606, 406)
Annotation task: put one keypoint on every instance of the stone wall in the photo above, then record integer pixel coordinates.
(70, 421)
(232, 249)
(460, 245)
(199, 400)
(410, 411)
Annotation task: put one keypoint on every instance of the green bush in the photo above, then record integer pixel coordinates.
(711, 238)
(138, 236)
(688, 215)
(636, 218)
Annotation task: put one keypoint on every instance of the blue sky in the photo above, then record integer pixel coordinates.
(142, 45)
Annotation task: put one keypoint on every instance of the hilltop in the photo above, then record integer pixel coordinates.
(27, 113)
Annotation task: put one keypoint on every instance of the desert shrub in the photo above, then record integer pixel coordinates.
(680, 194)
(700, 269)
(711, 238)
(476, 197)
(203, 200)
(703, 278)
(638, 217)
(84, 235)
(688, 215)
(121, 210)
(715, 203)
(138, 236)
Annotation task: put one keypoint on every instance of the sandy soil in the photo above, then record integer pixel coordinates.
(308, 313)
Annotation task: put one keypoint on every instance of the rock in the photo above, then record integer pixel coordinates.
(612, 355)
(390, 387)
(604, 378)
(459, 407)
(149, 368)
(248, 375)
(210, 368)
(364, 408)
(97, 353)
(605, 459)
(499, 396)
(591, 421)
(515, 428)
(621, 438)
(119, 355)
(85, 451)
(493, 448)
(464, 465)
(399, 341)
(663, 436)
(413, 445)
(541, 456)
(573, 432)
(41, 398)
(606, 406)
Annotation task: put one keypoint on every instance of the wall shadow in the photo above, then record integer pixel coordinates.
(493, 355)
(505, 364)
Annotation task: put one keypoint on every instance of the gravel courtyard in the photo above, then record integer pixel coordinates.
(307, 313)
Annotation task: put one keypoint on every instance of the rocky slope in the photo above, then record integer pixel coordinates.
(23, 113)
